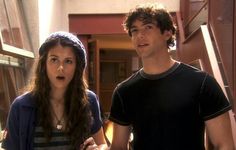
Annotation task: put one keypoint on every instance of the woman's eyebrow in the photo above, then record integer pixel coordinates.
(52, 55)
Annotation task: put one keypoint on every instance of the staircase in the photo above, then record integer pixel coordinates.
(208, 39)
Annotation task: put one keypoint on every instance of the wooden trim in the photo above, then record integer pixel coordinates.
(90, 24)
(234, 54)
(180, 27)
(196, 1)
(97, 68)
(184, 9)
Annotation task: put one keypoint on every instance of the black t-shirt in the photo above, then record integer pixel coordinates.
(167, 111)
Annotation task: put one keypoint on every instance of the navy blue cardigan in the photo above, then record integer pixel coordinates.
(21, 121)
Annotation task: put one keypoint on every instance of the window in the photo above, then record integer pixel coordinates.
(13, 33)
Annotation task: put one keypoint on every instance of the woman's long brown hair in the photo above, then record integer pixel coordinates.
(77, 111)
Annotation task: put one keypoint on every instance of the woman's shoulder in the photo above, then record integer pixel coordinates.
(91, 93)
(92, 98)
(25, 99)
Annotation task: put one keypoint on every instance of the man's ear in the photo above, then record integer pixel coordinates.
(168, 34)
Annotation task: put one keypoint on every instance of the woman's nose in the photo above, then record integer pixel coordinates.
(60, 68)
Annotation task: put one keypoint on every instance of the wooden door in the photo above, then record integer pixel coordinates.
(115, 67)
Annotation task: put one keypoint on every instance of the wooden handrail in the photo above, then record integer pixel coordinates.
(195, 15)
(212, 57)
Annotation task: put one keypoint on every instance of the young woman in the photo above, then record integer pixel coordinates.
(59, 112)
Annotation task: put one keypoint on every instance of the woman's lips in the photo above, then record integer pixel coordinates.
(60, 77)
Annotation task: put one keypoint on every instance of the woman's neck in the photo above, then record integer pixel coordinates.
(57, 96)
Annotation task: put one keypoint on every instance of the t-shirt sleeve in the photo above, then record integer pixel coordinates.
(118, 113)
(96, 114)
(213, 102)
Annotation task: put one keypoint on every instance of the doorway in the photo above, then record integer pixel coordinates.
(108, 67)
(115, 67)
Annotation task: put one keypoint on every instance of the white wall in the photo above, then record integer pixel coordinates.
(53, 14)
(51, 17)
(32, 21)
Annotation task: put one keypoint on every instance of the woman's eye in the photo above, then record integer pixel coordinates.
(68, 61)
(53, 60)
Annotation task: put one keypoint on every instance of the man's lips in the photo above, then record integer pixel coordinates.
(142, 45)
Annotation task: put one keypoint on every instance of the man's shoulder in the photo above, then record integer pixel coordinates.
(130, 80)
(191, 70)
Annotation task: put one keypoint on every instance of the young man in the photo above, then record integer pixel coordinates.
(167, 104)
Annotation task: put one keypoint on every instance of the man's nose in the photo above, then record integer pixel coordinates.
(141, 32)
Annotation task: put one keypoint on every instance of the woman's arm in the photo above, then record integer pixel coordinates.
(96, 142)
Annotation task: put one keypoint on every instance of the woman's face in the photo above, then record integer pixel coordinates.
(60, 65)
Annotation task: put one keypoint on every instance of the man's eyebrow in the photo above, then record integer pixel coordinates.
(145, 23)
(133, 26)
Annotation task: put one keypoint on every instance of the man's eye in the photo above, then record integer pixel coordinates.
(148, 27)
(133, 30)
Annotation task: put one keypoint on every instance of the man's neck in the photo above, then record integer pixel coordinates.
(157, 66)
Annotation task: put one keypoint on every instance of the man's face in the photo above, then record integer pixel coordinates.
(147, 38)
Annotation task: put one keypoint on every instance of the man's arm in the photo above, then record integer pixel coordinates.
(220, 132)
(121, 135)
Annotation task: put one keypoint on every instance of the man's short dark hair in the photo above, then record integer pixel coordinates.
(152, 13)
